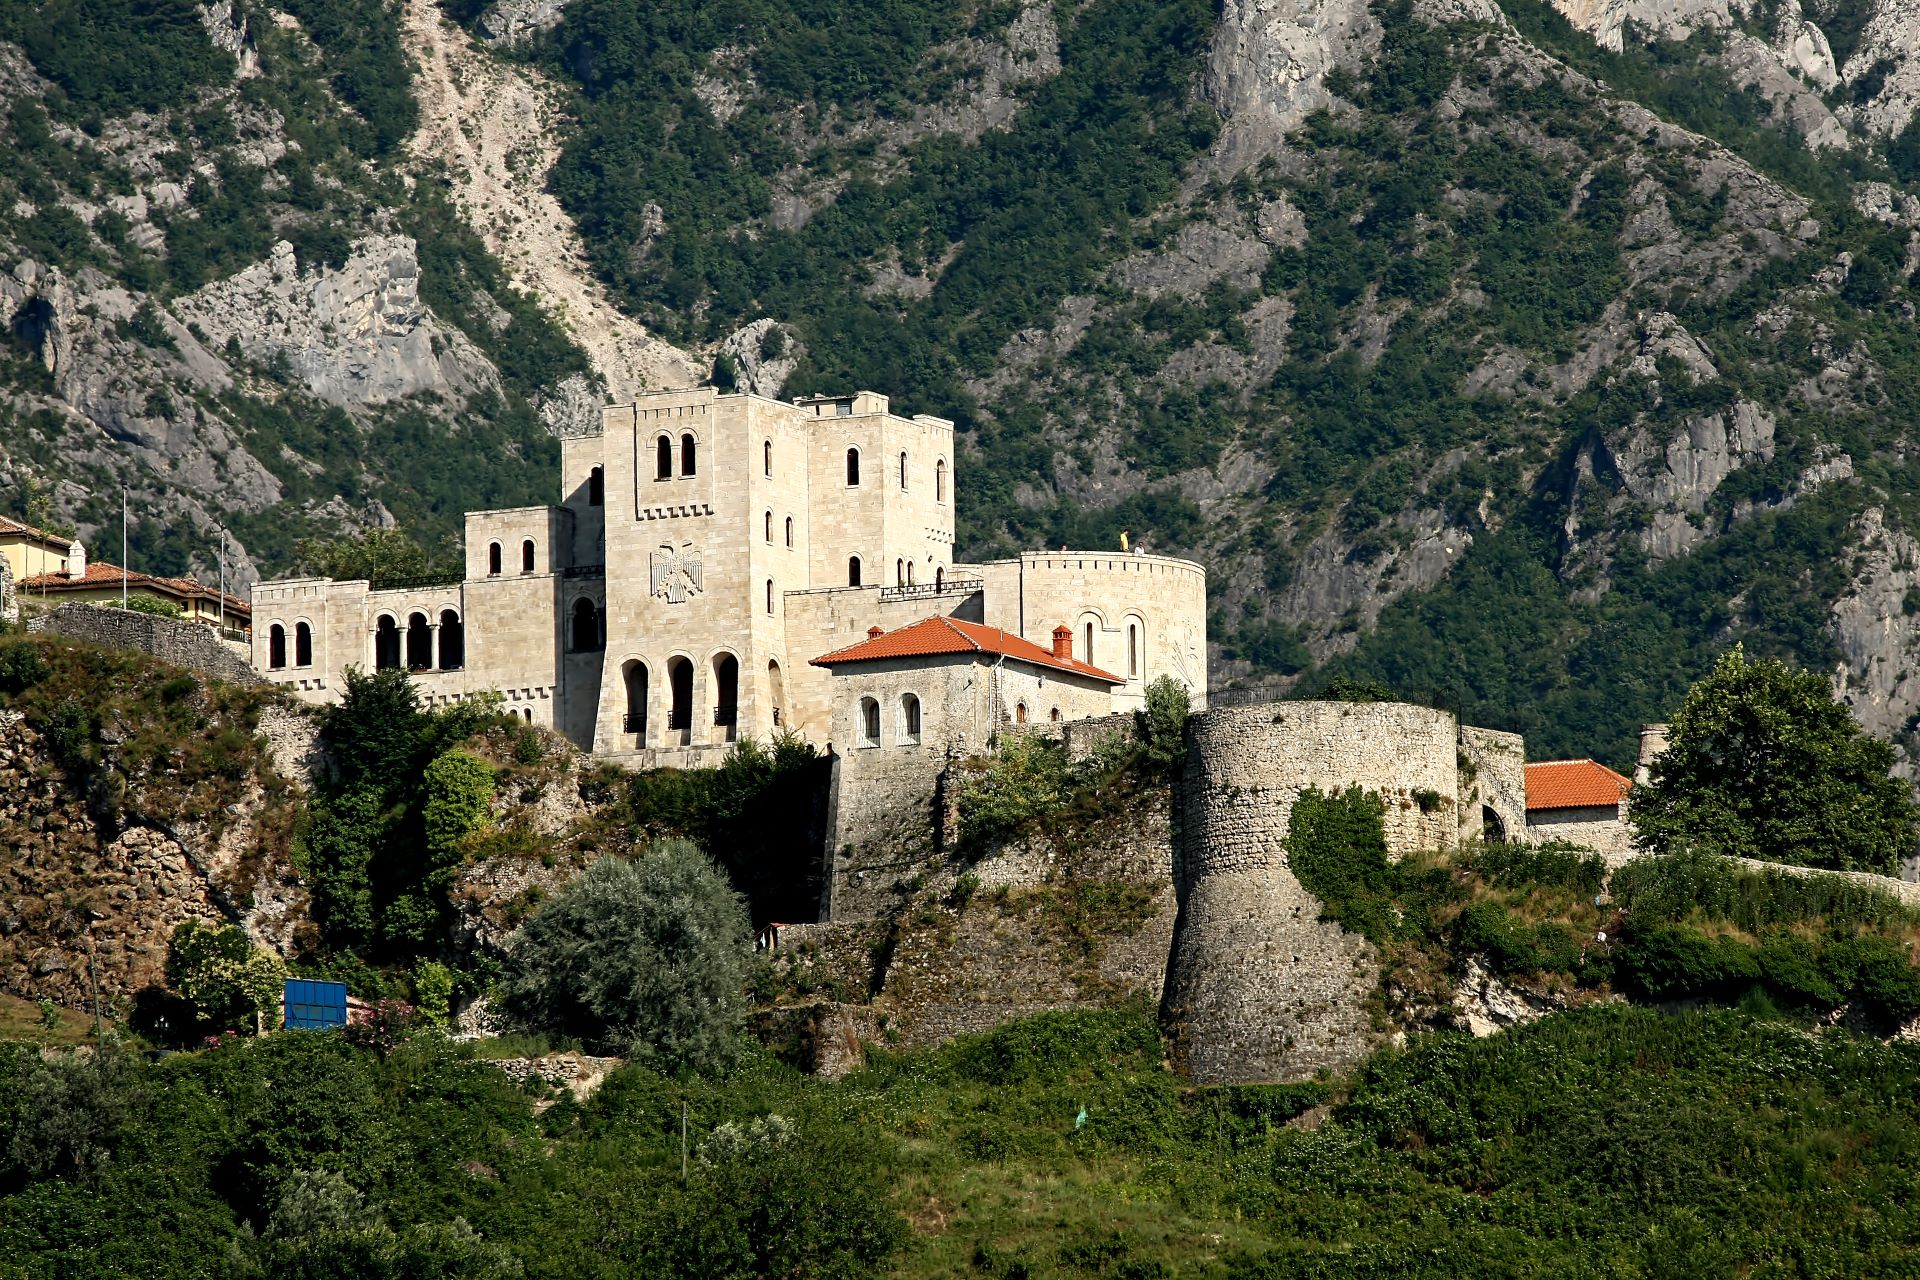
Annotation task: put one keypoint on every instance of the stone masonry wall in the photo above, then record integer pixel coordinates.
(185, 644)
(1260, 988)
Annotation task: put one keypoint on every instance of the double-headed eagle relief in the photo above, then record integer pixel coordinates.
(675, 574)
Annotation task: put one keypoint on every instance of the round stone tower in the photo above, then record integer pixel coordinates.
(1259, 988)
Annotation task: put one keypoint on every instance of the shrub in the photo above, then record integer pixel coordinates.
(21, 666)
(154, 606)
(1025, 776)
(1337, 846)
(228, 980)
(648, 957)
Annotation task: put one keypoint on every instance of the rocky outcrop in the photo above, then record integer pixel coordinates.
(515, 22)
(1267, 68)
(1876, 627)
(765, 354)
(226, 26)
(357, 334)
(1886, 52)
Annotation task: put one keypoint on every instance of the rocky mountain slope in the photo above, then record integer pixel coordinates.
(1516, 356)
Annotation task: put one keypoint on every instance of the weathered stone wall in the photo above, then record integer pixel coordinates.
(1601, 828)
(185, 644)
(1260, 988)
(1493, 784)
(80, 907)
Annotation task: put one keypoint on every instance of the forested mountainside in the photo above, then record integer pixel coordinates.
(1519, 358)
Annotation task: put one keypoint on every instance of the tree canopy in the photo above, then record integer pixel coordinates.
(1763, 762)
(648, 957)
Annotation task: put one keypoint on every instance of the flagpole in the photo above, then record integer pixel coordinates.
(123, 546)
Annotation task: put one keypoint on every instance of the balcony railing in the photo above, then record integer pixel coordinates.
(633, 722)
(677, 718)
(924, 590)
(584, 571)
(726, 715)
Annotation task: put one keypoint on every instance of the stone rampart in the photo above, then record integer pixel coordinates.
(185, 644)
(1260, 988)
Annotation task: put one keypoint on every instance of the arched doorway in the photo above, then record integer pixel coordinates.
(634, 676)
(419, 643)
(1492, 829)
(453, 641)
(726, 697)
(777, 693)
(680, 713)
(386, 643)
(585, 628)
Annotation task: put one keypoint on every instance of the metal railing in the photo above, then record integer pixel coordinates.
(633, 722)
(678, 718)
(584, 571)
(726, 715)
(448, 579)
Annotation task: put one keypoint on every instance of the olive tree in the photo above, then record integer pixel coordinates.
(648, 958)
(1763, 762)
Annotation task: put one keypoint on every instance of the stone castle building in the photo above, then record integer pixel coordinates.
(705, 549)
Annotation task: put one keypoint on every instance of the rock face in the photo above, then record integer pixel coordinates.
(1268, 66)
(9, 605)
(88, 901)
(356, 335)
(1888, 46)
(514, 22)
(1876, 627)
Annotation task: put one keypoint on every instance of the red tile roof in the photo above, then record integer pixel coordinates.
(942, 635)
(100, 574)
(1573, 784)
(10, 525)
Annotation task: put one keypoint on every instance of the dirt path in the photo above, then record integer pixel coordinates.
(492, 126)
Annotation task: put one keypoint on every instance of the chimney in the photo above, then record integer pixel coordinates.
(1653, 740)
(1063, 642)
(76, 559)
(874, 633)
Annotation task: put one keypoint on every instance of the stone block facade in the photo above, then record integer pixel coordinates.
(184, 644)
(704, 549)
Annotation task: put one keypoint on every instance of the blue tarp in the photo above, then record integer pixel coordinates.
(312, 1005)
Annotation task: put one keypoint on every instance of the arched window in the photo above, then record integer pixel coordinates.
(1019, 713)
(302, 645)
(586, 626)
(726, 697)
(869, 723)
(853, 571)
(633, 674)
(769, 529)
(663, 459)
(276, 647)
(909, 718)
(903, 473)
(596, 488)
(680, 691)
(909, 573)
(939, 578)
(899, 573)
(1086, 654)
(453, 641)
(853, 467)
(940, 480)
(493, 559)
(1054, 715)
(419, 643)
(526, 713)
(688, 450)
(769, 595)
(789, 530)
(1133, 650)
(386, 643)
(777, 689)
(766, 458)
(526, 556)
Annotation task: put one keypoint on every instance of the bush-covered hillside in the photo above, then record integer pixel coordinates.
(1609, 1141)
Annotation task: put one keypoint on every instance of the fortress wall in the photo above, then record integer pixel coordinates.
(1493, 776)
(1260, 988)
(192, 645)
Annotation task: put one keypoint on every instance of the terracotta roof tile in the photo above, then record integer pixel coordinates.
(1573, 784)
(10, 525)
(941, 635)
(101, 574)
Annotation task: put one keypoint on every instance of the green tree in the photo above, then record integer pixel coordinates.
(649, 957)
(228, 980)
(378, 555)
(70, 1108)
(1762, 762)
(1161, 725)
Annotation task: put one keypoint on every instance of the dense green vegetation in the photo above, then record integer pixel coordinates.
(1763, 762)
(1606, 1141)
